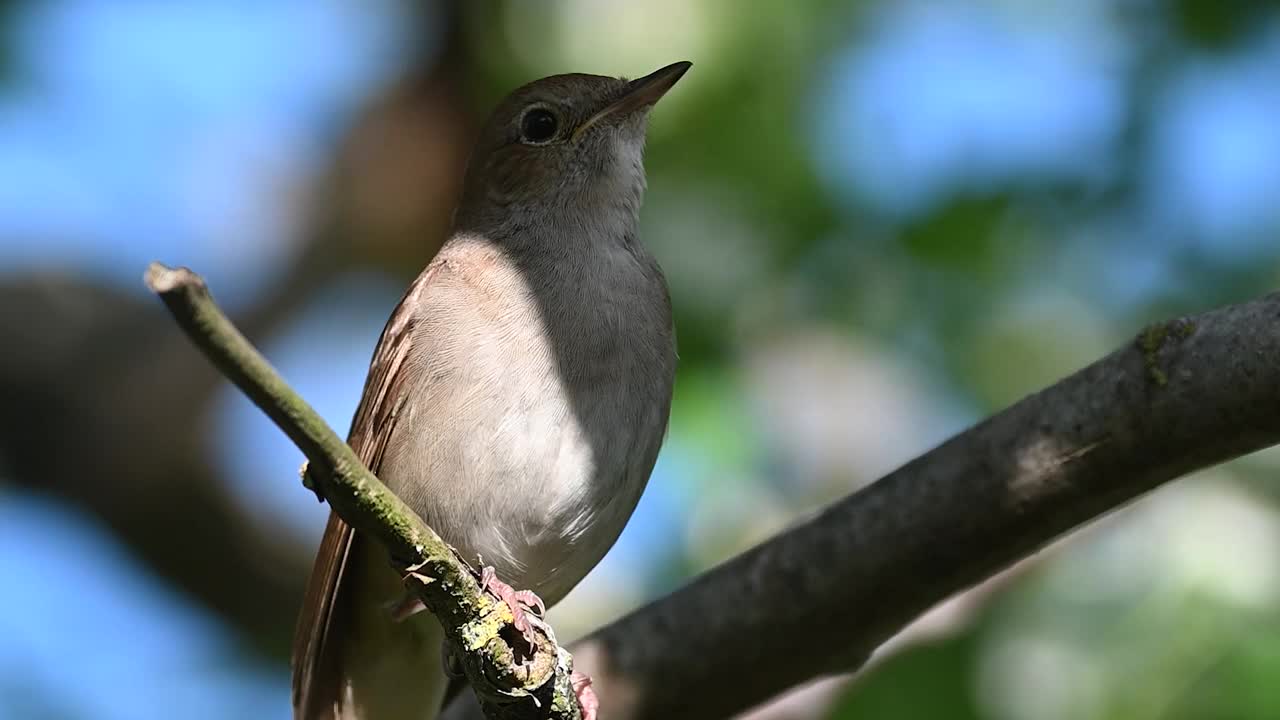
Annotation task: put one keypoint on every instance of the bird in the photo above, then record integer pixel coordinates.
(517, 397)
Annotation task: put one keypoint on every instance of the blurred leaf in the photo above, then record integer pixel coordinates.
(1217, 24)
(1241, 685)
(708, 414)
(961, 236)
(931, 681)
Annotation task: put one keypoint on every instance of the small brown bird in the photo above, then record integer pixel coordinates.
(517, 397)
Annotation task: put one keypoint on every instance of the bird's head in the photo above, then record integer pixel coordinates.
(566, 147)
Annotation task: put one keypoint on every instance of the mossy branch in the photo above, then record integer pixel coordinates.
(475, 622)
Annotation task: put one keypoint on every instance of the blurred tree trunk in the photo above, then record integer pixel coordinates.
(79, 418)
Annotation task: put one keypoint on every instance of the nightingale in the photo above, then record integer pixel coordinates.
(516, 399)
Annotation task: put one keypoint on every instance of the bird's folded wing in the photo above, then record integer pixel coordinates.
(325, 607)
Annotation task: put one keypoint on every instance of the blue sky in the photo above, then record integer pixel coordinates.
(88, 633)
(148, 129)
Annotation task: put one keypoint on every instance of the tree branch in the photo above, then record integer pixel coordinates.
(476, 623)
(821, 597)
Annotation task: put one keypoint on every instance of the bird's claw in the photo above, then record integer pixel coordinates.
(587, 699)
(523, 604)
(405, 607)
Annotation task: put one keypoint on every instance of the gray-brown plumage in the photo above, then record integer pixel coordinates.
(518, 395)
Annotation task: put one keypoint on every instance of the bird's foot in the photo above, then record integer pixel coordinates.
(522, 602)
(587, 699)
(405, 607)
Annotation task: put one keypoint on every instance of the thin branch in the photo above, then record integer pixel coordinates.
(821, 597)
(475, 622)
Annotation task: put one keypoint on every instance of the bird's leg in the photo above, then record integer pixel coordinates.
(521, 602)
(408, 605)
(579, 681)
(587, 699)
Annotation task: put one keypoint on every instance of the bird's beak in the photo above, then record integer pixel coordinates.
(640, 93)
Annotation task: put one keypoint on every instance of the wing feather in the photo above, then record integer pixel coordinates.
(325, 612)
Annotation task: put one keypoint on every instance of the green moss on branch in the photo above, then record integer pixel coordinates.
(1151, 340)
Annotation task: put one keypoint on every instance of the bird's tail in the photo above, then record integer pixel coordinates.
(352, 661)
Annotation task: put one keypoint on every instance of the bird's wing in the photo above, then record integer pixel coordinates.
(325, 607)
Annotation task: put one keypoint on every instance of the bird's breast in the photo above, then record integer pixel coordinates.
(536, 413)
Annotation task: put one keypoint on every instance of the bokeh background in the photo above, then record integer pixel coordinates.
(881, 220)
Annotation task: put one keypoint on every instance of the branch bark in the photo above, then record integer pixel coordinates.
(509, 684)
(821, 597)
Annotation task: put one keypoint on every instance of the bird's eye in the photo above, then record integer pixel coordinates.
(538, 126)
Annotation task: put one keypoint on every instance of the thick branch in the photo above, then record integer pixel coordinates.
(473, 620)
(821, 597)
